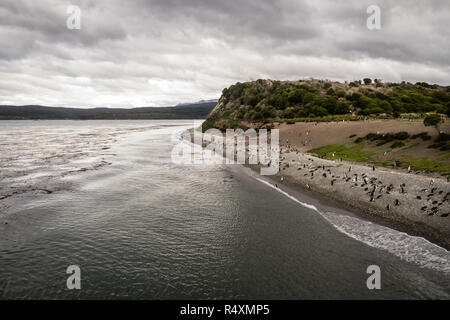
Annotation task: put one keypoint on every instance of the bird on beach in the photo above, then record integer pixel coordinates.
(397, 202)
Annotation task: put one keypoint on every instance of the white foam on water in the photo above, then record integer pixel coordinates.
(408, 248)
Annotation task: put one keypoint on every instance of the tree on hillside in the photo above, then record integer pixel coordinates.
(367, 81)
(433, 120)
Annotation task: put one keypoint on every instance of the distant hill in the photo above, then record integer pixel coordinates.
(196, 103)
(267, 101)
(189, 111)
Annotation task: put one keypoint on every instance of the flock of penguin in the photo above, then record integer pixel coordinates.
(373, 187)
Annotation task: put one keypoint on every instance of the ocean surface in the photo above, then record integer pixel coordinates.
(105, 196)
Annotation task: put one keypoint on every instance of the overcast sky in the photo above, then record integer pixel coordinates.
(164, 52)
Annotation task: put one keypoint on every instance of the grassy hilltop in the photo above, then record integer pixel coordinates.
(266, 101)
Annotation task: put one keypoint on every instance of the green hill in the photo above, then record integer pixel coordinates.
(265, 101)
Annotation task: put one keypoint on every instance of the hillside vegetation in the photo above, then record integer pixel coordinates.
(265, 101)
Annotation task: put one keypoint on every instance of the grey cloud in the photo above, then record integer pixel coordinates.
(160, 52)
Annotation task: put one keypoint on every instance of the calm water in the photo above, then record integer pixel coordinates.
(105, 196)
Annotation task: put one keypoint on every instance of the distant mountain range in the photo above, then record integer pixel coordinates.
(35, 112)
(199, 102)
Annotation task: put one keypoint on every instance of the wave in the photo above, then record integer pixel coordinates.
(408, 248)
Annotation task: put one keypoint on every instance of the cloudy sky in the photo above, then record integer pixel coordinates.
(164, 52)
